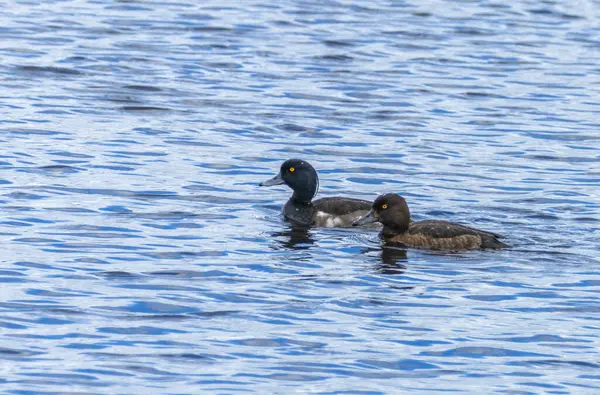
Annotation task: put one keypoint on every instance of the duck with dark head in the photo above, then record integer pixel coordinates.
(392, 211)
(302, 178)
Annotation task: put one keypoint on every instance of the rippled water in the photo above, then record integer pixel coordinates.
(139, 255)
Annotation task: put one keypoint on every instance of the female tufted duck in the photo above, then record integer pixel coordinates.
(392, 211)
(329, 212)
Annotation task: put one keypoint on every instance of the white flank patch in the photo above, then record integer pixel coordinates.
(327, 220)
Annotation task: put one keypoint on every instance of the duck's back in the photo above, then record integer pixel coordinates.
(339, 211)
(445, 235)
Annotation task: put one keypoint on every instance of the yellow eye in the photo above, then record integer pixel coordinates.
(383, 206)
(292, 170)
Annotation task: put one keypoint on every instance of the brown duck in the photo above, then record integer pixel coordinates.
(392, 211)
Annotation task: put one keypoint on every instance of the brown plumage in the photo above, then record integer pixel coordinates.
(392, 211)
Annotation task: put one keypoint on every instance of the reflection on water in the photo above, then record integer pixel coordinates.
(294, 237)
(391, 259)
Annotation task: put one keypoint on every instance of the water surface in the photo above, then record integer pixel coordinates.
(141, 257)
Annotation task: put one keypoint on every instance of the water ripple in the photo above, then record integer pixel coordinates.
(138, 247)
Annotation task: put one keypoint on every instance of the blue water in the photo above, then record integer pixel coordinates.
(139, 255)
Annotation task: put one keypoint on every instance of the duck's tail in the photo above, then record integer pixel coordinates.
(492, 242)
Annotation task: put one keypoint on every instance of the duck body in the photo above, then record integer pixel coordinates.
(302, 178)
(445, 235)
(392, 211)
(333, 212)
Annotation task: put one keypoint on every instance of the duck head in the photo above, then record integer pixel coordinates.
(391, 210)
(298, 175)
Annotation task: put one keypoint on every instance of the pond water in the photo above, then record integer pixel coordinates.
(140, 256)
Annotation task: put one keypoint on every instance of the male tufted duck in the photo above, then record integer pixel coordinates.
(328, 212)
